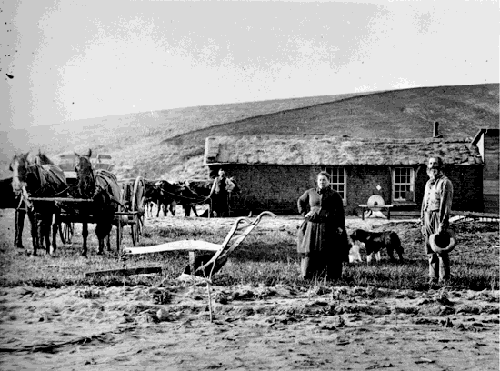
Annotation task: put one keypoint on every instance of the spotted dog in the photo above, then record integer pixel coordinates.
(376, 241)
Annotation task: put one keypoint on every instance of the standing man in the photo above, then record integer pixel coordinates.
(219, 194)
(435, 214)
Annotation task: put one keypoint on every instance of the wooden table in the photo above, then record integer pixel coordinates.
(375, 207)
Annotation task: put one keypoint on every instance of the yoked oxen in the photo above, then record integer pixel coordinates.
(153, 196)
(39, 177)
(165, 195)
(199, 191)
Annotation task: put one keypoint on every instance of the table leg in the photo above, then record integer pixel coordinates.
(388, 213)
(363, 213)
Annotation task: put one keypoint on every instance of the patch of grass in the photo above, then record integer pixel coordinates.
(267, 257)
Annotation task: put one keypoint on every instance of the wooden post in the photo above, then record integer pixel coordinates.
(210, 302)
(192, 258)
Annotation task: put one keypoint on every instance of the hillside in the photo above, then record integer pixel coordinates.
(409, 113)
(132, 136)
(170, 143)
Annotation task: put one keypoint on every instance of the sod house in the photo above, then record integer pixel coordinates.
(272, 171)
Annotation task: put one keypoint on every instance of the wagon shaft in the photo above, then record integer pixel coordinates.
(59, 199)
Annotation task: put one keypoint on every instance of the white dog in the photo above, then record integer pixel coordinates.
(354, 255)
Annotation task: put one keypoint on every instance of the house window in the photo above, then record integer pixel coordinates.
(403, 184)
(337, 178)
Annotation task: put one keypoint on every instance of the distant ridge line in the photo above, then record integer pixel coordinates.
(271, 114)
(341, 100)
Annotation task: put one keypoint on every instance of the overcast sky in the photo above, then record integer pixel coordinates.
(74, 59)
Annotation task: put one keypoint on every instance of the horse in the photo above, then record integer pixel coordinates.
(101, 186)
(38, 177)
(11, 200)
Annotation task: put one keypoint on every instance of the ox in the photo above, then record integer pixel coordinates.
(164, 194)
(196, 191)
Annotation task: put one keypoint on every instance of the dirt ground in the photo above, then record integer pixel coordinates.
(253, 328)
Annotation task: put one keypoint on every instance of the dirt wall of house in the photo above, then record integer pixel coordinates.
(277, 188)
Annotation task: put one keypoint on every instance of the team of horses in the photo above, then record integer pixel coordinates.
(39, 186)
(39, 183)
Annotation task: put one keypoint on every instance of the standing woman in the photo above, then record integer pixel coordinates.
(322, 240)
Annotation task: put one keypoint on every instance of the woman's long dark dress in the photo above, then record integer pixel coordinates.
(322, 240)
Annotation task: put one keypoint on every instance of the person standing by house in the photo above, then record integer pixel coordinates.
(435, 214)
(219, 194)
(322, 238)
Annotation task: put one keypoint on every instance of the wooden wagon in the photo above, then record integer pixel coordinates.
(130, 212)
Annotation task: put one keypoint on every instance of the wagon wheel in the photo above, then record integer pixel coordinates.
(138, 208)
(122, 217)
(119, 226)
(128, 218)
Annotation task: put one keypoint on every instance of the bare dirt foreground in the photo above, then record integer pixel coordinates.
(254, 328)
